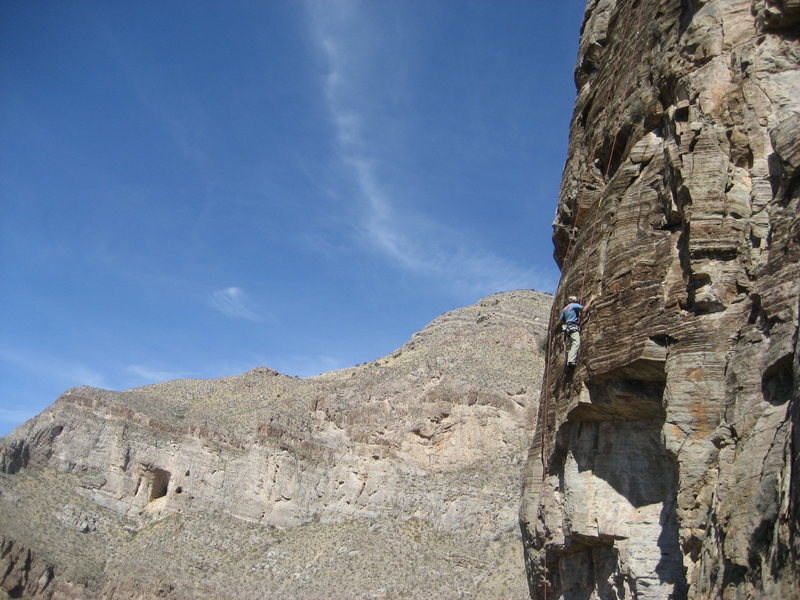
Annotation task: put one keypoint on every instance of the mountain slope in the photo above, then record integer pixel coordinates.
(397, 478)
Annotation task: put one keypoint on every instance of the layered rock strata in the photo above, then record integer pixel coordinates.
(395, 479)
(666, 464)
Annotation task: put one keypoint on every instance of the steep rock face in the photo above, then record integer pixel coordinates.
(398, 478)
(666, 464)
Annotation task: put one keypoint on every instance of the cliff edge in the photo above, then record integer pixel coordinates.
(666, 464)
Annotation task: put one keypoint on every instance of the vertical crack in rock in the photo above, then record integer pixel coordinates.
(666, 464)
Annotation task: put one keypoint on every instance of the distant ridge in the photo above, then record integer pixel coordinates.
(397, 478)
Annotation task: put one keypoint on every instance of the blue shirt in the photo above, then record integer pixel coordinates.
(571, 314)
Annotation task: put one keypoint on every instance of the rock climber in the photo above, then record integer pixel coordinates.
(571, 318)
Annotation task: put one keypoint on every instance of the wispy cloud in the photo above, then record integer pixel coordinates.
(176, 110)
(156, 375)
(353, 49)
(234, 302)
(54, 368)
(301, 365)
(52, 374)
(13, 416)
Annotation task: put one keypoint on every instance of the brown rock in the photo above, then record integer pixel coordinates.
(666, 464)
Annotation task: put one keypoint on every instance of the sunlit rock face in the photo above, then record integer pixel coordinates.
(399, 478)
(666, 465)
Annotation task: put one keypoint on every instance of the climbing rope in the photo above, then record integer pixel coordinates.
(553, 321)
(610, 89)
(546, 574)
(546, 392)
(613, 147)
(595, 220)
(545, 404)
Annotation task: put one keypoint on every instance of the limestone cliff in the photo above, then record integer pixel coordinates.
(395, 479)
(666, 465)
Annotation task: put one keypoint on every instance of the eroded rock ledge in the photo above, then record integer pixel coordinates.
(666, 465)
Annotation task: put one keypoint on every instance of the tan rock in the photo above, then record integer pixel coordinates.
(399, 478)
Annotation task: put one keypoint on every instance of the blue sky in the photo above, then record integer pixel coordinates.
(196, 188)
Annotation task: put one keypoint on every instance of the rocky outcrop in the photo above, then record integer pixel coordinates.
(666, 465)
(397, 478)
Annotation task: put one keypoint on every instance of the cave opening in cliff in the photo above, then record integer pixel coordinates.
(777, 382)
(160, 484)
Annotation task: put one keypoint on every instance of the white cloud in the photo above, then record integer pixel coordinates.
(178, 111)
(156, 375)
(64, 372)
(302, 365)
(408, 237)
(11, 418)
(234, 302)
(51, 373)
(16, 416)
